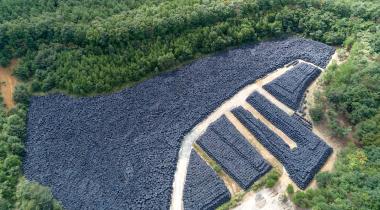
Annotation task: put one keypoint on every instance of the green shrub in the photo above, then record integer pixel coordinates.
(300, 199)
(217, 168)
(272, 178)
(290, 189)
(235, 200)
(349, 42)
(304, 199)
(32, 196)
(323, 179)
(368, 131)
(336, 128)
(36, 86)
(21, 94)
(317, 113)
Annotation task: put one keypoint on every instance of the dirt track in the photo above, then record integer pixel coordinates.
(277, 131)
(7, 84)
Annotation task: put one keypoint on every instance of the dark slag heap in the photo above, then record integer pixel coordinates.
(119, 151)
(203, 188)
(290, 87)
(233, 153)
(303, 162)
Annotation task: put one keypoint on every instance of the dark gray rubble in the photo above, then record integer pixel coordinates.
(203, 188)
(119, 151)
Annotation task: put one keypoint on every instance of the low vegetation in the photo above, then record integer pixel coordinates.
(272, 179)
(290, 189)
(269, 180)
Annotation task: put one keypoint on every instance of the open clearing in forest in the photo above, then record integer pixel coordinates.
(8, 83)
(239, 99)
(130, 149)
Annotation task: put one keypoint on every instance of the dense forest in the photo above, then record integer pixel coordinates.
(80, 48)
(97, 46)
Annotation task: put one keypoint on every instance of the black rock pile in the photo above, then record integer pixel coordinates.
(203, 188)
(290, 87)
(302, 120)
(119, 151)
(303, 162)
(233, 153)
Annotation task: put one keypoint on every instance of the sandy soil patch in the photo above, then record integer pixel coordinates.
(8, 83)
(266, 199)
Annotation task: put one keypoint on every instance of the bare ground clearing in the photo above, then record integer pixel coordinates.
(8, 83)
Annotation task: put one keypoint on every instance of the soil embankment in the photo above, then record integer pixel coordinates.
(8, 83)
